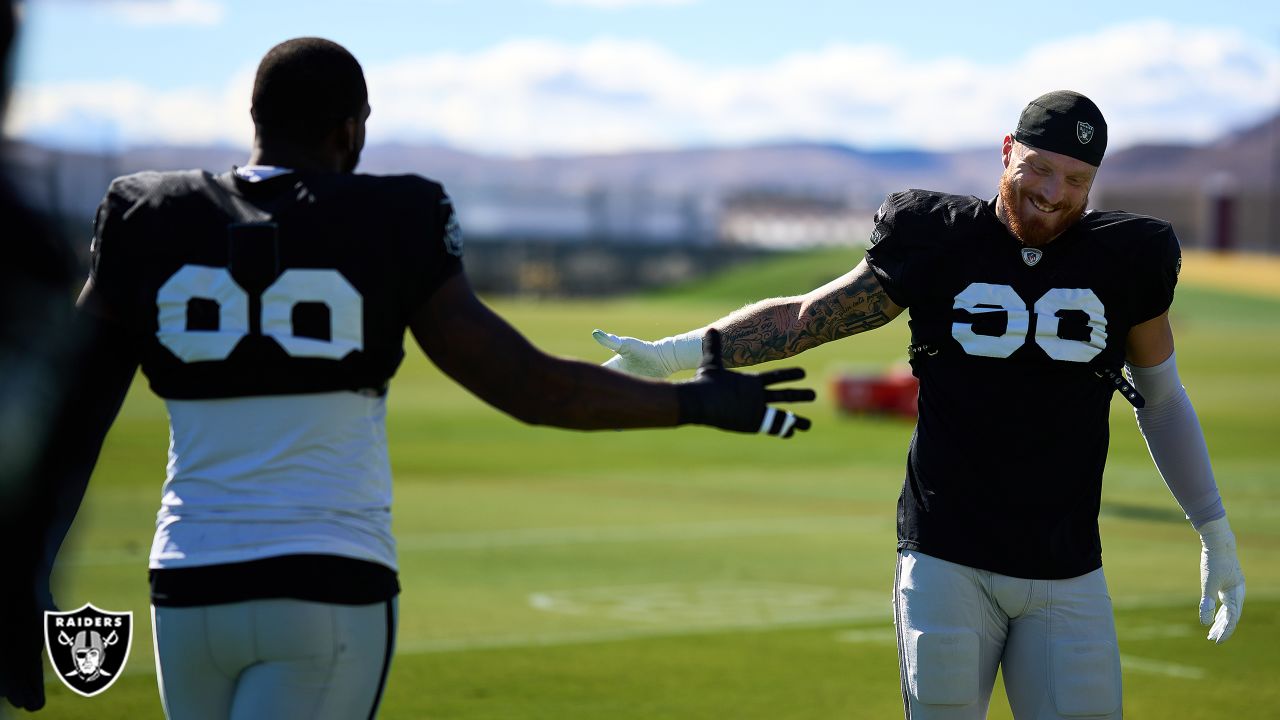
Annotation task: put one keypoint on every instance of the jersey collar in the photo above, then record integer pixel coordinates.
(258, 173)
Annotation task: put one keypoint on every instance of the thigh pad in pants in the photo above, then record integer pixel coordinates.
(1085, 677)
(942, 666)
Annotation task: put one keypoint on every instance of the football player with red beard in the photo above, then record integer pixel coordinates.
(1026, 310)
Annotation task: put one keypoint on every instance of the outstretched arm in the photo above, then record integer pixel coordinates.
(782, 327)
(478, 349)
(767, 330)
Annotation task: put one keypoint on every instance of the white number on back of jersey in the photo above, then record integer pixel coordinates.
(1050, 310)
(207, 283)
(192, 282)
(346, 313)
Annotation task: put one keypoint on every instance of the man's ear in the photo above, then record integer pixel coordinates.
(1006, 150)
(341, 137)
(350, 129)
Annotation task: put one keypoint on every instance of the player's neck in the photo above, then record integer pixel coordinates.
(1002, 214)
(295, 157)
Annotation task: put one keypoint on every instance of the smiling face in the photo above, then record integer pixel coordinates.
(1042, 193)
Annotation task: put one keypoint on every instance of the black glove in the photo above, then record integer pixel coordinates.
(738, 401)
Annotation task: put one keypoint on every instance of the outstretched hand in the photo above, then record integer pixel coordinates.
(739, 402)
(657, 359)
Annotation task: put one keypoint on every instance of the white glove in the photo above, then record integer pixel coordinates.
(1220, 579)
(656, 359)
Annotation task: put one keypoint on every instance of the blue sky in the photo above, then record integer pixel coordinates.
(537, 76)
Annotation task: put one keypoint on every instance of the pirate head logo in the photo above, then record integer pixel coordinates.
(1084, 132)
(88, 647)
(1031, 256)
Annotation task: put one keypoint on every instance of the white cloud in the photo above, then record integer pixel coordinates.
(1154, 80)
(168, 12)
(105, 116)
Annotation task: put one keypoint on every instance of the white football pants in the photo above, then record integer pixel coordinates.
(278, 659)
(1055, 641)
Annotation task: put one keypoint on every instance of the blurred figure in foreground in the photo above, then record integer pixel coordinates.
(38, 347)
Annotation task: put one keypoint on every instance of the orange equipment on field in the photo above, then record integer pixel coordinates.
(890, 393)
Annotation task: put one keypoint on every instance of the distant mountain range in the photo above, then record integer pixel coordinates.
(1251, 156)
(73, 182)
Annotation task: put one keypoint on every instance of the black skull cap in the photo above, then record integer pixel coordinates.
(1064, 122)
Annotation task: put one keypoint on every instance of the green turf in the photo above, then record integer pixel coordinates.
(783, 274)
(695, 574)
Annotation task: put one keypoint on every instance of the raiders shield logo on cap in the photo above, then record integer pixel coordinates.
(88, 647)
(1084, 132)
(1031, 256)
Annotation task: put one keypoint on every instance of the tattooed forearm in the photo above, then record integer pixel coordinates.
(775, 329)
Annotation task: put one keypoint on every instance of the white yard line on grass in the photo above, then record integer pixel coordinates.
(1160, 667)
(872, 636)
(587, 637)
(1158, 632)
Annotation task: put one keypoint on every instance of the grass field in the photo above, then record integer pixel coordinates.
(696, 574)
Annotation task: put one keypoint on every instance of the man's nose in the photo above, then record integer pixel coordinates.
(1052, 189)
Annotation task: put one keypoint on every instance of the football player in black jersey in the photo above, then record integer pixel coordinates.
(1025, 311)
(268, 307)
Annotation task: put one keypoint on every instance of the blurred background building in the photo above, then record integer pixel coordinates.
(597, 224)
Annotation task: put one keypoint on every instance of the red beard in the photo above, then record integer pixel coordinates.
(1036, 229)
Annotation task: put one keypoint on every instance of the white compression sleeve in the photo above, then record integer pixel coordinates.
(1176, 441)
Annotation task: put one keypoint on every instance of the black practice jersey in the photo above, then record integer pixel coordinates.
(300, 283)
(1004, 472)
